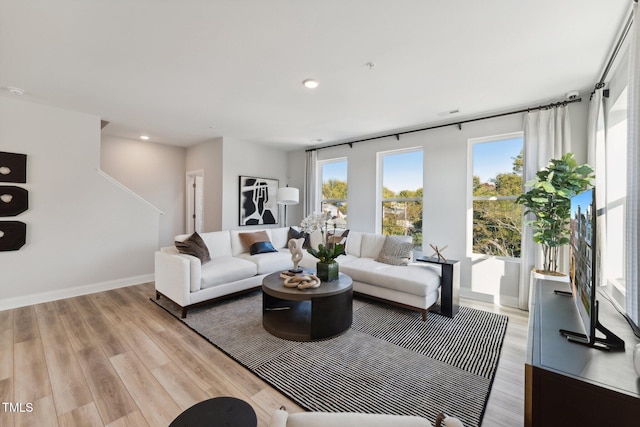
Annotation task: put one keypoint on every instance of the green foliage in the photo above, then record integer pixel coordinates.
(328, 253)
(334, 189)
(497, 227)
(549, 201)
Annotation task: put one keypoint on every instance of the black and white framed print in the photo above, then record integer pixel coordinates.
(258, 201)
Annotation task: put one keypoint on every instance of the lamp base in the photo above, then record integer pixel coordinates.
(296, 270)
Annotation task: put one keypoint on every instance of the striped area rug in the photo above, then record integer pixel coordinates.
(388, 362)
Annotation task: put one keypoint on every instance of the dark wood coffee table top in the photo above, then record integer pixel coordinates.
(273, 285)
(219, 411)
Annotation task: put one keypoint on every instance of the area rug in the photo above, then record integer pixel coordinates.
(389, 361)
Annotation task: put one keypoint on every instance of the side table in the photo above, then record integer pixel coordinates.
(449, 285)
(219, 411)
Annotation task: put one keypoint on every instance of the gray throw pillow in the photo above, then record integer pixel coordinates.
(194, 246)
(395, 251)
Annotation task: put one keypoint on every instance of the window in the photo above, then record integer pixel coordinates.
(401, 193)
(497, 181)
(616, 192)
(333, 178)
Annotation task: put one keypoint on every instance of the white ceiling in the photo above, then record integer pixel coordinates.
(185, 71)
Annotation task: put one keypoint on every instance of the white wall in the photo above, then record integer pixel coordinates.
(445, 190)
(207, 156)
(156, 172)
(84, 234)
(244, 158)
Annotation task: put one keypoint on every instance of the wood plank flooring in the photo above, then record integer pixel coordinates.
(116, 359)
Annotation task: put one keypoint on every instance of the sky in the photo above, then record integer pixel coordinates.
(492, 158)
(403, 171)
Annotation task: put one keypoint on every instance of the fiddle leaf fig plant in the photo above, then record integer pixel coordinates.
(549, 201)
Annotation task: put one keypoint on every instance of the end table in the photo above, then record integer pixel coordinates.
(449, 285)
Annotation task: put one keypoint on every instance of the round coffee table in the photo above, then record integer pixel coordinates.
(219, 411)
(307, 314)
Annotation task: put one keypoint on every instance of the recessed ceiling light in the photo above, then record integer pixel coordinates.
(310, 84)
(144, 137)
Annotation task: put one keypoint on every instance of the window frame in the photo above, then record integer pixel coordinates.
(380, 200)
(471, 142)
(319, 180)
(617, 283)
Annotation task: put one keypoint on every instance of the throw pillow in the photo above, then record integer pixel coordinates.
(261, 248)
(338, 237)
(395, 251)
(248, 239)
(194, 246)
(295, 234)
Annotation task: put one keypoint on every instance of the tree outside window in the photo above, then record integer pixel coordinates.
(402, 194)
(497, 182)
(334, 187)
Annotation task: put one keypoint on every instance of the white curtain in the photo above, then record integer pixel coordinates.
(310, 184)
(632, 227)
(596, 157)
(547, 135)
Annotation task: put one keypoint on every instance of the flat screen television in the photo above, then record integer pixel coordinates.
(582, 275)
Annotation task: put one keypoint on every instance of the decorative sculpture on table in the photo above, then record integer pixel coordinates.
(438, 252)
(295, 247)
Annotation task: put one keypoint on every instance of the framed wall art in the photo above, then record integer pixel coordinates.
(258, 201)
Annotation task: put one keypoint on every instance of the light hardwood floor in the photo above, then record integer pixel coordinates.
(116, 359)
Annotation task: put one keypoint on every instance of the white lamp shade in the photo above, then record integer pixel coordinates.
(288, 196)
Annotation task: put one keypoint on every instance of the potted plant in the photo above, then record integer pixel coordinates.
(327, 266)
(549, 200)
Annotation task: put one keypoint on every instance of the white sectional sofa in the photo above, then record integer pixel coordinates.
(187, 282)
(232, 270)
(414, 286)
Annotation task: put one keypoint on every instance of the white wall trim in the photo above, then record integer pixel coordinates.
(43, 297)
(493, 299)
(127, 190)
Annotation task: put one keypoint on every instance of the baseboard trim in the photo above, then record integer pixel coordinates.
(32, 299)
(499, 300)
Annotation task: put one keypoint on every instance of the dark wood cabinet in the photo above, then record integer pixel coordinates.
(568, 384)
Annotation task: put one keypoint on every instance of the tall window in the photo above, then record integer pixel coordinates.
(401, 193)
(616, 192)
(333, 178)
(497, 182)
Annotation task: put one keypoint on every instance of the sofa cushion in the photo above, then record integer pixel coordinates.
(309, 261)
(226, 269)
(371, 245)
(218, 242)
(417, 279)
(194, 246)
(396, 250)
(279, 237)
(354, 243)
(269, 262)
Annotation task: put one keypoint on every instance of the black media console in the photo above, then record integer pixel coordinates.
(567, 384)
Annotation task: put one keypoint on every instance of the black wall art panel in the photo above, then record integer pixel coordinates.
(258, 201)
(13, 200)
(13, 167)
(13, 235)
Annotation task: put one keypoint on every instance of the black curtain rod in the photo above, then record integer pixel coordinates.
(459, 124)
(614, 53)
